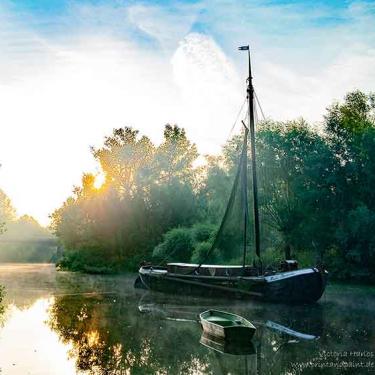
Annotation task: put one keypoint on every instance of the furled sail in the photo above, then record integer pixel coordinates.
(234, 234)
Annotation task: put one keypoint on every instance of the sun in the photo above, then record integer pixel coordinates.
(99, 180)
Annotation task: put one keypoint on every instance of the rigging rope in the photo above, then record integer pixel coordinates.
(260, 107)
(237, 117)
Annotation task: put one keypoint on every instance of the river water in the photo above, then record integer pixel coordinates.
(66, 323)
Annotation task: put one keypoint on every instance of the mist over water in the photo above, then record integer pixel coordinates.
(65, 323)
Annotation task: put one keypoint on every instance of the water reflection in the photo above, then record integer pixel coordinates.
(109, 336)
(26, 343)
(61, 323)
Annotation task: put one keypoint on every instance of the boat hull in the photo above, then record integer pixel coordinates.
(300, 286)
(226, 326)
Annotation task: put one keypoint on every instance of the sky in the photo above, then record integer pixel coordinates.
(72, 70)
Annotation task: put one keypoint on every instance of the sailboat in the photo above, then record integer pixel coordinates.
(287, 284)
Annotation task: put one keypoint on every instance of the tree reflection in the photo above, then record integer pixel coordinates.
(109, 336)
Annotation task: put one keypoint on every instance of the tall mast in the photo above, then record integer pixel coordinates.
(250, 98)
(245, 203)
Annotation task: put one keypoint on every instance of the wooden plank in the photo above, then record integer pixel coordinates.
(217, 287)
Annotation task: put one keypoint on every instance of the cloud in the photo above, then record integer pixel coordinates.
(210, 89)
(70, 75)
(304, 54)
(167, 25)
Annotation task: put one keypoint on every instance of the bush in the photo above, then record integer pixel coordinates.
(271, 257)
(200, 252)
(305, 258)
(176, 246)
(87, 260)
(203, 232)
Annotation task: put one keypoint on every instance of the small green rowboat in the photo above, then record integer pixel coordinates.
(226, 325)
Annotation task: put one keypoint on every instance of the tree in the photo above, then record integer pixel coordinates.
(295, 167)
(174, 158)
(147, 191)
(27, 241)
(316, 197)
(7, 211)
(350, 127)
(125, 160)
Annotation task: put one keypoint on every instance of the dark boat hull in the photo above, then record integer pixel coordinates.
(300, 286)
(226, 326)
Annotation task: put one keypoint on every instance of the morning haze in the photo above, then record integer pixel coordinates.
(186, 187)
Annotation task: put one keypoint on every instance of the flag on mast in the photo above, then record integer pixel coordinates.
(243, 48)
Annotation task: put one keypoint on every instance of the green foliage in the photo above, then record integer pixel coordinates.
(316, 196)
(203, 232)
(147, 191)
(201, 252)
(7, 211)
(187, 244)
(271, 257)
(350, 127)
(177, 246)
(86, 261)
(295, 181)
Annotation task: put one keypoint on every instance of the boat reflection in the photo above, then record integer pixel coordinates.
(149, 304)
(270, 351)
(290, 332)
(227, 347)
(101, 325)
(226, 353)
